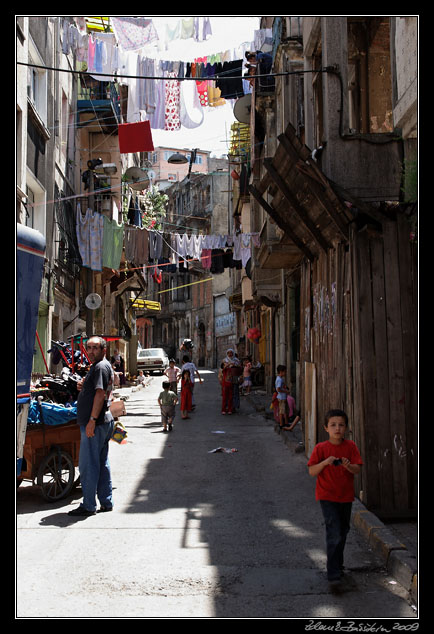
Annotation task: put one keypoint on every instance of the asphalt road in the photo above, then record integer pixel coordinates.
(194, 534)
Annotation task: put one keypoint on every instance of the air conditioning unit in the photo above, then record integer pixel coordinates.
(172, 178)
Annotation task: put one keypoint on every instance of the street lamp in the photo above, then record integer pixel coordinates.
(177, 159)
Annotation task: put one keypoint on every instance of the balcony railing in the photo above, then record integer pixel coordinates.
(96, 96)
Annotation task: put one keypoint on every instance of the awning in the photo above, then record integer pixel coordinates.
(304, 205)
(145, 304)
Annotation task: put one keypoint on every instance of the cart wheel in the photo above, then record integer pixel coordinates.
(56, 475)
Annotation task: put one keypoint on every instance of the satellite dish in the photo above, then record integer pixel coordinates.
(242, 109)
(93, 301)
(137, 178)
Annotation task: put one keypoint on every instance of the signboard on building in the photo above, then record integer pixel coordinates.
(225, 325)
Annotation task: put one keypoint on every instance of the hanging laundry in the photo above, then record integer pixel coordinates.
(142, 246)
(96, 236)
(172, 104)
(100, 55)
(166, 265)
(130, 235)
(172, 33)
(157, 118)
(206, 259)
(137, 213)
(132, 69)
(135, 137)
(82, 231)
(230, 81)
(217, 265)
(109, 57)
(214, 95)
(155, 245)
(112, 243)
(81, 44)
(90, 235)
(91, 53)
(202, 90)
(196, 242)
(157, 275)
(147, 87)
(191, 114)
(228, 259)
(242, 250)
(202, 28)
(134, 33)
(65, 36)
(187, 28)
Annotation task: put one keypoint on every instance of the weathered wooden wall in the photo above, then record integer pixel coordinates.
(358, 326)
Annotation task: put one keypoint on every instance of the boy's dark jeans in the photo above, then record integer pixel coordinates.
(337, 517)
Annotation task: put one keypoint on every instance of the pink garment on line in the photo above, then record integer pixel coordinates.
(172, 120)
(206, 258)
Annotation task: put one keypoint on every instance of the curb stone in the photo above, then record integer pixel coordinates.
(398, 561)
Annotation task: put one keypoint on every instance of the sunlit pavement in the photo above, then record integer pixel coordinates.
(195, 533)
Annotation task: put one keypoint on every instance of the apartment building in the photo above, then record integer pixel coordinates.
(334, 281)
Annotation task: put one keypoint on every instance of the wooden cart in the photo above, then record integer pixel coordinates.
(50, 455)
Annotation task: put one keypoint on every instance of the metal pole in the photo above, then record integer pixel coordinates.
(42, 352)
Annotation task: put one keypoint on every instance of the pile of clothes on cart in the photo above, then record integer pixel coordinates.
(59, 394)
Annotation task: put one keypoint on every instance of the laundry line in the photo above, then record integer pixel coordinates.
(174, 288)
(101, 242)
(207, 78)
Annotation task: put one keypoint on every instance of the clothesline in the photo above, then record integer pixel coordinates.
(223, 74)
(102, 241)
(130, 35)
(167, 104)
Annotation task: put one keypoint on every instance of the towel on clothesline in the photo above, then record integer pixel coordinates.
(135, 137)
(134, 33)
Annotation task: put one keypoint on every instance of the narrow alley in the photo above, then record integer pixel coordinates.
(195, 534)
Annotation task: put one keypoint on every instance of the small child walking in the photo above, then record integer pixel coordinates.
(172, 373)
(167, 401)
(247, 378)
(186, 393)
(282, 392)
(334, 463)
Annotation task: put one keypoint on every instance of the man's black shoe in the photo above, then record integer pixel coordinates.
(81, 511)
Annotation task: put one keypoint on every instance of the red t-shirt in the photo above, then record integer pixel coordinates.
(335, 483)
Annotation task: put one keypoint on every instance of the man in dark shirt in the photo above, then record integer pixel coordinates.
(96, 428)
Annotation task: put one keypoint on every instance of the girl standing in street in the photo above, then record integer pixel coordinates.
(227, 390)
(233, 364)
(186, 394)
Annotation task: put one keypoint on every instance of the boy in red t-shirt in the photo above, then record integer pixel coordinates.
(334, 463)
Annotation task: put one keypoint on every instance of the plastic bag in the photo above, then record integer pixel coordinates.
(119, 433)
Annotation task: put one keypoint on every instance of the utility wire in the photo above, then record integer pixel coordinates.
(207, 78)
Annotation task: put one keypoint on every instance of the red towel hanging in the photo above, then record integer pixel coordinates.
(135, 137)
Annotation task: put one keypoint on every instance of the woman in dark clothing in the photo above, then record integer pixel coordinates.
(118, 365)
